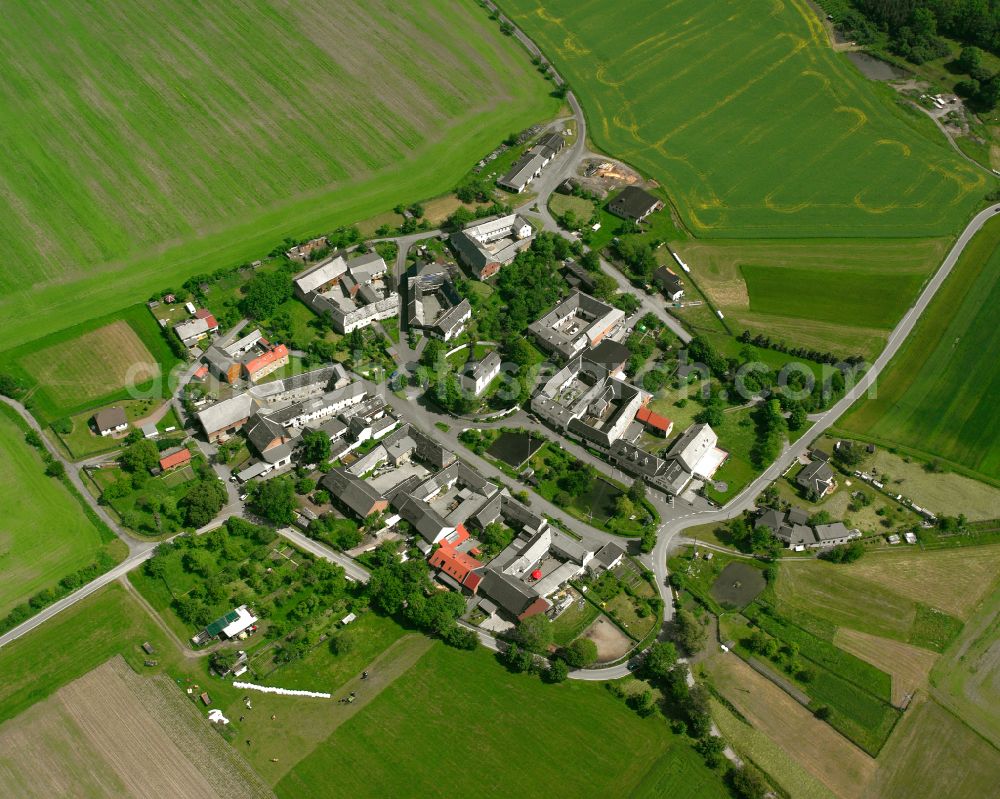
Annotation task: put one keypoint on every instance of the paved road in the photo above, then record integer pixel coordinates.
(135, 560)
(354, 570)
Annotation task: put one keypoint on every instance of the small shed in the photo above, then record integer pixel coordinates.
(148, 648)
(348, 618)
(205, 699)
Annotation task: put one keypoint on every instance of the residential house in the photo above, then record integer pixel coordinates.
(259, 367)
(191, 331)
(816, 476)
(477, 375)
(697, 452)
(669, 283)
(110, 421)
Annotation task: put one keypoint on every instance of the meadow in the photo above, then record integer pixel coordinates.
(935, 754)
(158, 140)
(44, 533)
(839, 596)
(752, 124)
(83, 367)
(937, 398)
(458, 719)
(839, 295)
(966, 677)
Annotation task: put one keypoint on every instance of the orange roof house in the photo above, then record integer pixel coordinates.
(264, 364)
(460, 566)
(654, 421)
(173, 458)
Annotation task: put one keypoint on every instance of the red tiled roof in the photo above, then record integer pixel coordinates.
(200, 372)
(653, 419)
(261, 361)
(207, 316)
(458, 565)
(176, 459)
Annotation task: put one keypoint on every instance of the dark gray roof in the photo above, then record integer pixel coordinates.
(667, 280)
(511, 594)
(815, 476)
(424, 519)
(608, 554)
(797, 516)
(261, 431)
(110, 418)
(355, 493)
(609, 354)
(633, 203)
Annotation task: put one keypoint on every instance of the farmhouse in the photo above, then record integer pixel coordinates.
(669, 283)
(109, 421)
(816, 476)
(634, 203)
(191, 331)
(477, 375)
(535, 565)
(355, 293)
(221, 420)
(434, 306)
(353, 493)
(578, 322)
(489, 244)
(258, 367)
(174, 458)
(584, 399)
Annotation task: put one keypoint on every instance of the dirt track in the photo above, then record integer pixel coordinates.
(114, 733)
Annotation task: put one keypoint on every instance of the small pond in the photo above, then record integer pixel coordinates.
(875, 68)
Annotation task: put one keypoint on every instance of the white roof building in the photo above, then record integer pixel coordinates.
(244, 619)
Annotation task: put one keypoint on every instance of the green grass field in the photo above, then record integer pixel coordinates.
(158, 140)
(117, 356)
(44, 534)
(72, 643)
(831, 295)
(876, 299)
(938, 396)
(456, 723)
(871, 602)
(750, 121)
(933, 754)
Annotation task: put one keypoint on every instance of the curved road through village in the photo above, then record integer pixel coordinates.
(676, 519)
